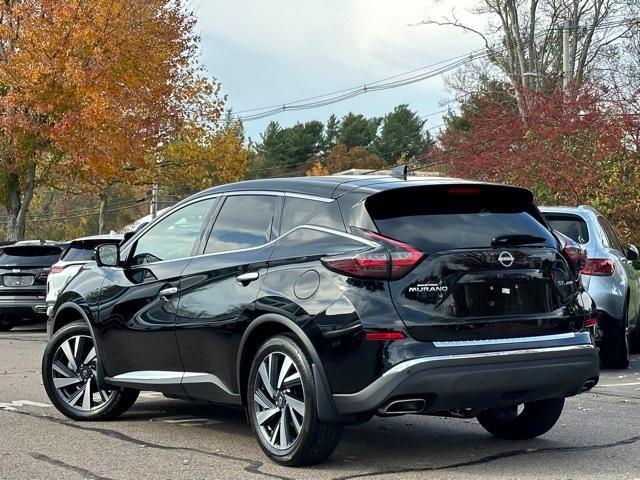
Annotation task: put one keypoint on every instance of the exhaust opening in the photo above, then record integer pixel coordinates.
(403, 406)
(589, 384)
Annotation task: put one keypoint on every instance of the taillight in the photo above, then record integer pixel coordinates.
(577, 255)
(590, 322)
(598, 267)
(391, 260)
(56, 269)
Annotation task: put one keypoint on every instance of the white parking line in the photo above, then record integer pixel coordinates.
(620, 384)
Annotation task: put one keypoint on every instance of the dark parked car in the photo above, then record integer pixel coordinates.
(24, 267)
(315, 302)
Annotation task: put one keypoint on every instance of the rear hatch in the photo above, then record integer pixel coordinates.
(24, 268)
(491, 268)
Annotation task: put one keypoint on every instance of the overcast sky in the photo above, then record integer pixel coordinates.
(273, 51)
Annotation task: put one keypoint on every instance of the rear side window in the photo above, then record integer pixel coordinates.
(572, 226)
(34, 256)
(84, 251)
(244, 221)
(612, 238)
(305, 211)
(433, 219)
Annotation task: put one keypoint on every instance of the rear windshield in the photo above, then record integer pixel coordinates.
(34, 256)
(84, 251)
(572, 226)
(433, 219)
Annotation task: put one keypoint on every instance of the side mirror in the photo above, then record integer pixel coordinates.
(632, 253)
(107, 255)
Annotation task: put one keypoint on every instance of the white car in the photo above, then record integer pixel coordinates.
(78, 253)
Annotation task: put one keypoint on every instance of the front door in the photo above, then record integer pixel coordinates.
(217, 292)
(138, 302)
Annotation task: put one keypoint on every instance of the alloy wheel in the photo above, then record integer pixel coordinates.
(279, 401)
(74, 374)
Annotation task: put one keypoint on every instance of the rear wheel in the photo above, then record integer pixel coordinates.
(5, 325)
(282, 406)
(529, 421)
(69, 367)
(615, 351)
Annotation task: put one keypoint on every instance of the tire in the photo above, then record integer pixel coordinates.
(5, 326)
(69, 366)
(615, 351)
(287, 399)
(536, 419)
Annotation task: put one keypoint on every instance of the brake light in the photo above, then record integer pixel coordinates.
(56, 269)
(391, 260)
(598, 267)
(577, 255)
(463, 191)
(590, 322)
(384, 336)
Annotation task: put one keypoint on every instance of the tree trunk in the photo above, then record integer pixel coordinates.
(18, 202)
(103, 213)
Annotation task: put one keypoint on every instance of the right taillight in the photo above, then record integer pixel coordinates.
(598, 267)
(391, 260)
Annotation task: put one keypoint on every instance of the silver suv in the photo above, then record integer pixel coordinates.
(609, 277)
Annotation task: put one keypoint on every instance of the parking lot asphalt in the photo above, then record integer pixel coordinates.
(598, 436)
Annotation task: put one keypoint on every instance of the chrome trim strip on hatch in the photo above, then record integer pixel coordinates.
(402, 366)
(504, 341)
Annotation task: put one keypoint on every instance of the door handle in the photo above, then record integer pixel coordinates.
(166, 293)
(246, 278)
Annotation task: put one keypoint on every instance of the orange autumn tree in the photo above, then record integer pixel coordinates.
(89, 90)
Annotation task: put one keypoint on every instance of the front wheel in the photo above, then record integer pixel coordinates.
(529, 421)
(69, 367)
(282, 406)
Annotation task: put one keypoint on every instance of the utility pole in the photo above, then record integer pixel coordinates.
(153, 203)
(567, 64)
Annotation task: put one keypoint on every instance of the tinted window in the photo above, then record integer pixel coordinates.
(243, 222)
(29, 256)
(174, 236)
(572, 226)
(434, 220)
(303, 211)
(612, 238)
(84, 251)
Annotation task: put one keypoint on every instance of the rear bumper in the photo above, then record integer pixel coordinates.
(479, 380)
(22, 310)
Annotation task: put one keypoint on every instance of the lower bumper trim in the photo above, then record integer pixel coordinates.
(480, 380)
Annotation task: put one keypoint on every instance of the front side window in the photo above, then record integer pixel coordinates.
(174, 236)
(244, 221)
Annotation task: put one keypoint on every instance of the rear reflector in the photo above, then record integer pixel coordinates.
(391, 260)
(384, 336)
(598, 267)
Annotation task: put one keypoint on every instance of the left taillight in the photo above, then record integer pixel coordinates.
(392, 259)
(577, 255)
(56, 268)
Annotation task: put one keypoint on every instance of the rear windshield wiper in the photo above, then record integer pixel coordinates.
(516, 239)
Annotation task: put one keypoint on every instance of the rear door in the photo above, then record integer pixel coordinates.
(491, 267)
(218, 289)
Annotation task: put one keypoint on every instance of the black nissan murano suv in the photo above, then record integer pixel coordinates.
(321, 301)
